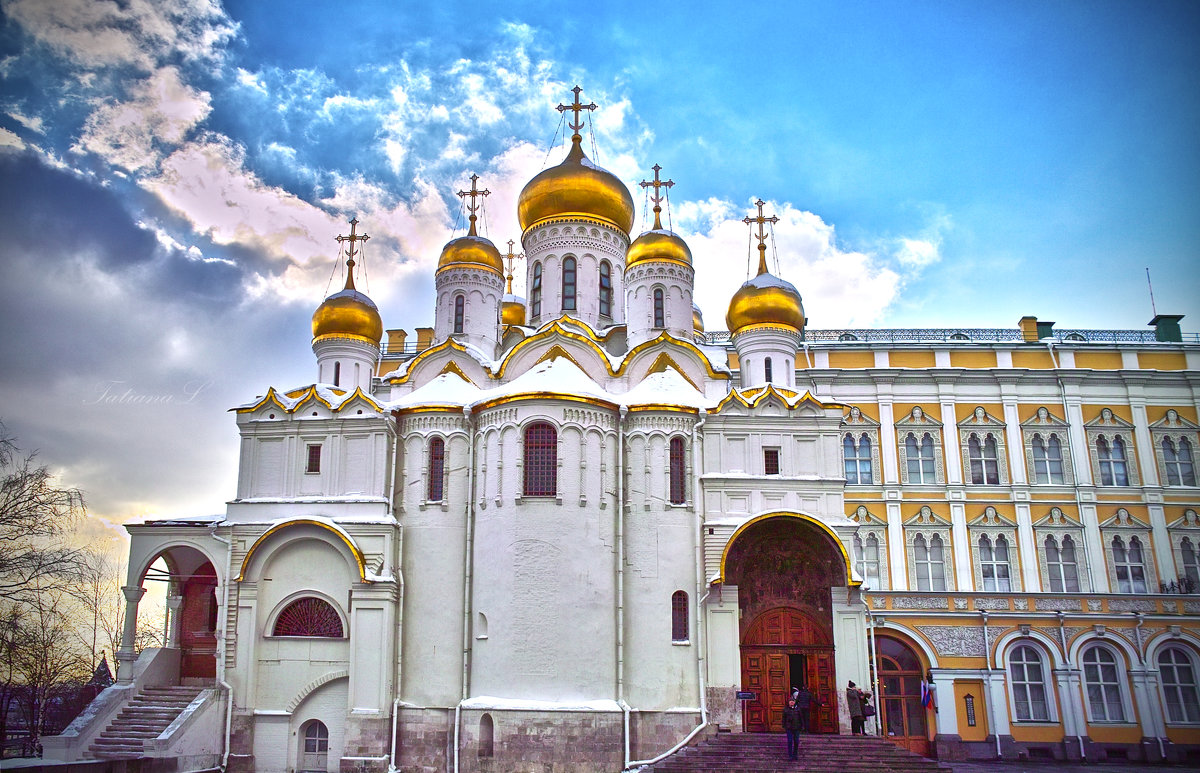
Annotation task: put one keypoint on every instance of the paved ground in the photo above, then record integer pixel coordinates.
(1064, 767)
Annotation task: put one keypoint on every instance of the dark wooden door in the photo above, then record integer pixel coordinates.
(903, 717)
(767, 646)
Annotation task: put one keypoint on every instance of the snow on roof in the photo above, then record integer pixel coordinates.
(447, 389)
(666, 387)
(770, 280)
(558, 375)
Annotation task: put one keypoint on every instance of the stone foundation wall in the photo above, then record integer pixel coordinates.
(366, 745)
(543, 742)
(724, 708)
(653, 732)
(423, 739)
(241, 743)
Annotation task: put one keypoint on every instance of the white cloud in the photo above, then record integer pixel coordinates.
(10, 140)
(33, 124)
(135, 134)
(98, 33)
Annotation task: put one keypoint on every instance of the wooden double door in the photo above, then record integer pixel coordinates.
(902, 714)
(782, 649)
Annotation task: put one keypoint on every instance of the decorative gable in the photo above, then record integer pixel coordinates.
(990, 518)
(864, 517)
(1056, 518)
(1123, 520)
(927, 518)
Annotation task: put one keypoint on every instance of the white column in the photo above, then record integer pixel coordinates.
(887, 443)
(126, 655)
(954, 463)
(998, 701)
(1094, 545)
(173, 605)
(1031, 578)
(1146, 704)
(1145, 444)
(851, 655)
(895, 538)
(1074, 720)
(1016, 448)
(946, 718)
(1079, 448)
(964, 580)
(1164, 557)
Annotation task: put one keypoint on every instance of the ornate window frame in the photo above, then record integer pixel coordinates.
(1108, 426)
(1121, 684)
(1125, 526)
(918, 423)
(1174, 427)
(1045, 423)
(1049, 694)
(991, 524)
(1185, 528)
(854, 423)
(1057, 525)
(555, 464)
(982, 423)
(429, 472)
(273, 618)
(871, 525)
(1189, 656)
(928, 524)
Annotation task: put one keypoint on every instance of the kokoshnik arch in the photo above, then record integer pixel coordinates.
(579, 516)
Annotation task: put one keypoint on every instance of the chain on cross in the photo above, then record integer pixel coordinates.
(350, 251)
(760, 220)
(474, 204)
(657, 195)
(509, 259)
(577, 107)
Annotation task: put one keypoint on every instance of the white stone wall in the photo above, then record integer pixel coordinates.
(589, 244)
(481, 291)
(676, 282)
(346, 363)
(755, 346)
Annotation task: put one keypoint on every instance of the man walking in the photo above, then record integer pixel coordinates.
(804, 702)
(791, 725)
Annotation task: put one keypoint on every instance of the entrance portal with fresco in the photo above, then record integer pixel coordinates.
(784, 568)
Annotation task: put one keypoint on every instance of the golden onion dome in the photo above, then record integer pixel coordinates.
(576, 187)
(471, 251)
(697, 319)
(765, 300)
(348, 313)
(512, 310)
(658, 244)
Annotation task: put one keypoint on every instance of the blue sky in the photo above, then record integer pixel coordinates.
(173, 174)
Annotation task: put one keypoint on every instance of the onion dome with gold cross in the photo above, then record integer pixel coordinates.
(697, 319)
(576, 189)
(658, 243)
(348, 313)
(765, 300)
(472, 250)
(512, 307)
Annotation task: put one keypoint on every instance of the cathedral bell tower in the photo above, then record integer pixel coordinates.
(470, 283)
(347, 328)
(659, 278)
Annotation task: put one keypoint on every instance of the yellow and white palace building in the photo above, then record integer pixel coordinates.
(562, 533)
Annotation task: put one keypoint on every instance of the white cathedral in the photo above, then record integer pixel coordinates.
(576, 532)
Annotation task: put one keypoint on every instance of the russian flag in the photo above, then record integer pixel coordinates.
(926, 694)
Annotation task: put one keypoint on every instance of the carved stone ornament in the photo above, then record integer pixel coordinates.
(955, 640)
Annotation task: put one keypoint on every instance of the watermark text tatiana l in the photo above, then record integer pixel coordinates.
(118, 393)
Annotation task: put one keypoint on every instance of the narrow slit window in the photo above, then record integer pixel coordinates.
(568, 284)
(535, 294)
(660, 318)
(606, 289)
(437, 469)
(677, 468)
(771, 461)
(313, 465)
(679, 616)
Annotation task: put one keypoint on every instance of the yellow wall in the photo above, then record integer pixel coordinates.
(1028, 410)
(961, 691)
(386, 368)
(1190, 735)
(856, 359)
(1091, 412)
(911, 359)
(964, 410)
(1110, 734)
(1035, 359)
(1157, 412)
(734, 362)
(1098, 360)
(1036, 733)
(1160, 360)
(985, 359)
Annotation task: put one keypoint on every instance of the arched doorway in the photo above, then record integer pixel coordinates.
(785, 648)
(902, 716)
(784, 567)
(314, 747)
(198, 624)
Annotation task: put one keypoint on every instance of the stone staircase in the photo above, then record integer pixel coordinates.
(767, 753)
(143, 718)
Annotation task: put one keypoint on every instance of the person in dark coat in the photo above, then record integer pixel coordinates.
(854, 703)
(791, 725)
(805, 700)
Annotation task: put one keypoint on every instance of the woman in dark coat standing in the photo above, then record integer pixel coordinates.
(854, 702)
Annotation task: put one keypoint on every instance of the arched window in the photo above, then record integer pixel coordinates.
(1178, 461)
(930, 562)
(535, 294)
(660, 314)
(678, 490)
(541, 460)
(337, 374)
(1102, 681)
(606, 289)
(679, 616)
(487, 736)
(1191, 566)
(866, 559)
(568, 284)
(1061, 566)
(1114, 469)
(1178, 675)
(993, 564)
(921, 464)
(1028, 679)
(460, 308)
(309, 616)
(857, 460)
(768, 371)
(437, 469)
(985, 469)
(1047, 460)
(1130, 565)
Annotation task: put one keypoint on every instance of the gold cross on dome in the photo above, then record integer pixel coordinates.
(761, 235)
(473, 205)
(350, 251)
(576, 108)
(657, 195)
(509, 258)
